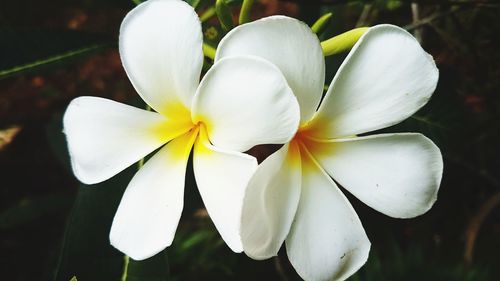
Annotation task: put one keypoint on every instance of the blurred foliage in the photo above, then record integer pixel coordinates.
(51, 48)
(53, 51)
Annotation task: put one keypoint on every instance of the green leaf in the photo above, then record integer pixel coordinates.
(234, 2)
(18, 54)
(224, 14)
(30, 209)
(193, 3)
(442, 120)
(195, 239)
(86, 251)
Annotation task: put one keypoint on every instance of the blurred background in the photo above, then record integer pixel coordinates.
(53, 228)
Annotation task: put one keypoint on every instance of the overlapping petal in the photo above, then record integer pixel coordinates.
(161, 50)
(160, 46)
(386, 78)
(245, 101)
(222, 177)
(327, 240)
(271, 200)
(151, 206)
(396, 174)
(104, 137)
(289, 44)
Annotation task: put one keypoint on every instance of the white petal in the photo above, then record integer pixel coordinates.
(222, 177)
(327, 240)
(161, 50)
(151, 206)
(386, 78)
(245, 101)
(104, 137)
(289, 44)
(271, 200)
(396, 174)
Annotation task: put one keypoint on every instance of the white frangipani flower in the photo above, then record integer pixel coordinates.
(241, 102)
(385, 78)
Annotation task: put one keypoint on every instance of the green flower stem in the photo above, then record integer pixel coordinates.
(209, 51)
(246, 8)
(210, 12)
(224, 14)
(321, 23)
(126, 261)
(342, 42)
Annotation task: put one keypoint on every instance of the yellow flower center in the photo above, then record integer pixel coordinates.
(304, 145)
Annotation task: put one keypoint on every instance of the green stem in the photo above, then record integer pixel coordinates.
(126, 261)
(246, 8)
(210, 12)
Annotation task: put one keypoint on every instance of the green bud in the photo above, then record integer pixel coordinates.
(208, 51)
(321, 23)
(342, 42)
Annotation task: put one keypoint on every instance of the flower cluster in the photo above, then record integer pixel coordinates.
(265, 87)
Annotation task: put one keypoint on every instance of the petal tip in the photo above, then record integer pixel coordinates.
(137, 253)
(257, 257)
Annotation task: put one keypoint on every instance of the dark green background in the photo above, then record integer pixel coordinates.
(53, 227)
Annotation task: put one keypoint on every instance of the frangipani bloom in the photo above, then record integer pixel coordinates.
(241, 102)
(385, 78)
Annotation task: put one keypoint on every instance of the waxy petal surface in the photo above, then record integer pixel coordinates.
(271, 200)
(386, 78)
(161, 50)
(327, 240)
(222, 177)
(105, 137)
(289, 44)
(245, 101)
(396, 174)
(150, 209)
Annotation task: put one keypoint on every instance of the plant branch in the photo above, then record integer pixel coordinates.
(475, 225)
